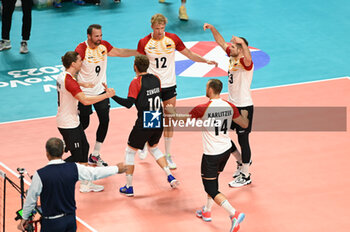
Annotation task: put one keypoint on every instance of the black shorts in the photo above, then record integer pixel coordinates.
(76, 142)
(240, 130)
(168, 93)
(99, 106)
(213, 164)
(139, 136)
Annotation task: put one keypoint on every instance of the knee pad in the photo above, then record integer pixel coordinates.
(211, 187)
(129, 156)
(157, 154)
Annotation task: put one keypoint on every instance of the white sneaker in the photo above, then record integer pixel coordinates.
(239, 169)
(171, 164)
(24, 48)
(143, 154)
(88, 186)
(5, 44)
(240, 181)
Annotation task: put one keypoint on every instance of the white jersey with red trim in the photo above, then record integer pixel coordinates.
(239, 81)
(216, 140)
(161, 54)
(94, 66)
(67, 112)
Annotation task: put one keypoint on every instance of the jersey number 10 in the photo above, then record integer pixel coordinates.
(154, 103)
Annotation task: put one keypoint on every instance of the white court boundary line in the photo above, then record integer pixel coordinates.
(270, 87)
(28, 183)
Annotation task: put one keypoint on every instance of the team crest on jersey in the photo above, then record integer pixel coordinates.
(212, 51)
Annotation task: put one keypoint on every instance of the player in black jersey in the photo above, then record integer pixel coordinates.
(144, 92)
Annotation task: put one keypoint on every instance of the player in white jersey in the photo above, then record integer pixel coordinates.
(69, 94)
(94, 52)
(217, 147)
(159, 47)
(240, 75)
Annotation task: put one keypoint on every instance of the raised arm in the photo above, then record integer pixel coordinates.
(122, 52)
(246, 52)
(217, 36)
(197, 58)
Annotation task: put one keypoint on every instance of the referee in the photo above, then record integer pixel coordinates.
(55, 184)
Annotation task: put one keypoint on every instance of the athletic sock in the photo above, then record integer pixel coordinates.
(128, 180)
(209, 204)
(97, 149)
(228, 207)
(167, 171)
(245, 169)
(167, 142)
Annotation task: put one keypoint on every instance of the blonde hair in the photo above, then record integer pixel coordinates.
(159, 19)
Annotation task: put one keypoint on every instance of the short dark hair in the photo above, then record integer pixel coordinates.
(93, 26)
(215, 85)
(69, 58)
(245, 41)
(54, 146)
(141, 63)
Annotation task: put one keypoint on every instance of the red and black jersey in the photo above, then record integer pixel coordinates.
(146, 90)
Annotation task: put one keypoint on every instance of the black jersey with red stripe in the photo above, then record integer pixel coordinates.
(146, 91)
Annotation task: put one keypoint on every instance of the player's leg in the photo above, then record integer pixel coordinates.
(7, 10)
(209, 170)
(217, 163)
(169, 97)
(236, 153)
(26, 24)
(243, 139)
(160, 158)
(102, 110)
(128, 189)
(137, 139)
(81, 156)
(182, 11)
(238, 157)
(84, 115)
(143, 152)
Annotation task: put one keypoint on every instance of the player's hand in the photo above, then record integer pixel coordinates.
(207, 26)
(244, 113)
(212, 62)
(105, 86)
(110, 92)
(236, 39)
(121, 167)
(22, 225)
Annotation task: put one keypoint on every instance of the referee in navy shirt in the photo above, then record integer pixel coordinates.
(55, 184)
